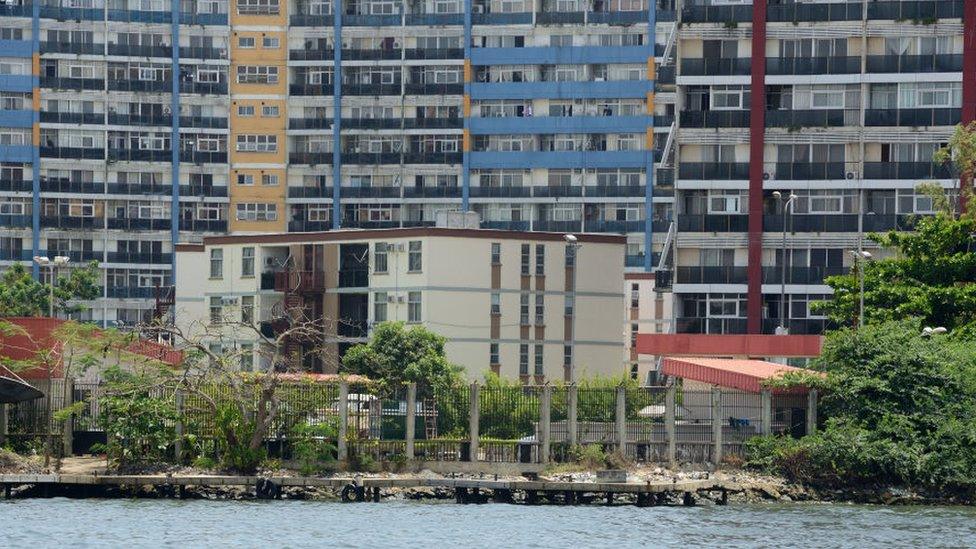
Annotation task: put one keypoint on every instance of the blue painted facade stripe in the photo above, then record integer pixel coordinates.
(618, 89)
(23, 83)
(16, 48)
(174, 143)
(17, 119)
(649, 168)
(35, 147)
(559, 55)
(17, 153)
(560, 124)
(560, 159)
(337, 116)
(466, 153)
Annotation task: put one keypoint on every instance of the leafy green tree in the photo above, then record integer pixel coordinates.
(21, 295)
(396, 354)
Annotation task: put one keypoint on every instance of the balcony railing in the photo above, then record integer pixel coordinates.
(615, 226)
(136, 224)
(916, 10)
(312, 55)
(809, 11)
(813, 65)
(159, 86)
(203, 190)
(123, 188)
(433, 158)
(812, 223)
(139, 155)
(390, 54)
(620, 17)
(62, 185)
(435, 19)
(305, 226)
(821, 118)
(69, 222)
(797, 326)
(602, 191)
(353, 278)
(550, 225)
(906, 170)
(557, 191)
(97, 118)
(701, 274)
(943, 62)
(198, 52)
(309, 192)
(521, 18)
(309, 123)
(162, 50)
(434, 89)
(716, 14)
(204, 225)
(560, 18)
(310, 157)
(723, 171)
(371, 123)
(299, 281)
(433, 123)
(124, 119)
(370, 158)
(16, 185)
(434, 53)
(510, 191)
(72, 152)
(698, 325)
(505, 225)
(791, 171)
(308, 20)
(64, 83)
(371, 89)
(714, 119)
(203, 88)
(135, 257)
(209, 122)
(800, 275)
(204, 157)
(432, 192)
(912, 117)
(370, 192)
(713, 223)
(7, 220)
(716, 66)
(79, 48)
(310, 89)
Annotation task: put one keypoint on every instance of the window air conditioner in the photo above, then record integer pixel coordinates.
(851, 175)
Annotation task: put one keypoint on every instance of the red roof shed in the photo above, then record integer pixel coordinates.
(744, 375)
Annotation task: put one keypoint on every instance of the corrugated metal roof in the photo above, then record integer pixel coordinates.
(745, 375)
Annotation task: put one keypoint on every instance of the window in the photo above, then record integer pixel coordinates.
(269, 179)
(496, 303)
(493, 353)
(245, 42)
(245, 179)
(540, 259)
(216, 310)
(257, 74)
(496, 253)
(271, 43)
(633, 335)
(379, 307)
(723, 203)
(523, 359)
(415, 258)
(526, 250)
(540, 310)
(270, 111)
(247, 261)
(538, 360)
(257, 212)
(727, 98)
(245, 110)
(247, 357)
(247, 309)
(634, 296)
(380, 264)
(570, 255)
(217, 263)
(413, 307)
(723, 305)
(524, 309)
(567, 355)
(570, 305)
(257, 7)
(257, 143)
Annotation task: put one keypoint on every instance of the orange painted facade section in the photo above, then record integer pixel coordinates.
(713, 345)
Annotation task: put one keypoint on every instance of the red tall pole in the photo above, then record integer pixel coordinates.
(757, 144)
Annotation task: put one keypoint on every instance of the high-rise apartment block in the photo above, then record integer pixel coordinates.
(130, 125)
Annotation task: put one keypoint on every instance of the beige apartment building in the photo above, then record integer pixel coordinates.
(648, 310)
(504, 300)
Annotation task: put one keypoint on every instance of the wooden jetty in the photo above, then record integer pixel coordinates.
(359, 489)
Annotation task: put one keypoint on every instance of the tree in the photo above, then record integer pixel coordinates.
(961, 153)
(931, 276)
(397, 355)
(21, 295)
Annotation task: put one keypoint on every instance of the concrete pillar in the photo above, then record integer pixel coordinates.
(180, 409)
(670, 423)
(621, 417)
(474, 419)
(766, 411)
(343, 420)
(67, 429)
(572, 415)
(812, 412)
(545, 424)
(411, 426)
(717, 421)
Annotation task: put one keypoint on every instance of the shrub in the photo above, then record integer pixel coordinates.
(312, 446)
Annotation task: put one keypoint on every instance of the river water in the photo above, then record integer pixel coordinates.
(37, 523)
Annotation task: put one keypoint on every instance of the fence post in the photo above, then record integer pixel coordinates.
(621, 417)
(474, 418)
(180, 426)
(572, 414)
(670, 431)
(545, 424)
(766, 411)
(67, 430)
(411, 418)
(812, 412)
(717, 421)
(343, 446)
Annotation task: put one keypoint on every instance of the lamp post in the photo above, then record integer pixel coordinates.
(860, 256)
(572, 251)
(782, 330)
(52, 265)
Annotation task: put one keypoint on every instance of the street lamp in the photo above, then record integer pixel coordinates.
(52, 265)
(572, 251)
(782, 330)
(859, 257)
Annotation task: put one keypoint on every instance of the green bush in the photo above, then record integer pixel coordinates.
(235, 452)
(313, 446)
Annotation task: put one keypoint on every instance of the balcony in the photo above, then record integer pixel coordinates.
(140, 16)
(204, 225)
(309, 192)
(206, 122)
(370, 158)
(798, 326)
(16, 254)
(560, 18)
(68, 222)
(812, 65)
(59, 185)
(310, 89)
(187, 18)
(137, 224)
(72, 153)
(308, 20)
(140, 258)
(916, 10)
(390, 54)
(309, 123)
(310, 158)
(219, 191)
(17, 221)
(370, 224)
(557, 191)
(67, 14)
(371, 123)
(91, 118)
(137, 189)
(76, 256)
(505, 225)
(16, 185)
(140, 155)
(816, 118)
(353, 278)
(624, 191)
(665, 74)
(914, 63)
(906, 170)
(433, 123)
(889, 222)
(716, 14)
(304, 226)
(713, 223)
(204, 157)
(158, 86)
(433, 158)
(8, 10)
(203, 88)
(198, 52)
(78, 48)
(700, 274)
(371, 89)
(800, 275)
(434, 89)
(912, 117)
(814, 12)
(435, 53)
(370, 192)
(511, 191)
(125, 119)
(434, 19)
(716, 66)
(699, 325)
(812, 223)
(299, 282)
(379, 20)
(353, 328)
(521, 18)
(76, 84)
(709, 171)
(616, 226)
(312, 55)
(557, 226)
(163, 50)
(618, 17)
(129, 292)
(432, 192)
(714, 119)
(792, 171)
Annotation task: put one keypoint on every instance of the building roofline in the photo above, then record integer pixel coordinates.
(369, 234)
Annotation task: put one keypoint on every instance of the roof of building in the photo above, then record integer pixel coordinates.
(407, 232)
(744, 375)
(729, 345)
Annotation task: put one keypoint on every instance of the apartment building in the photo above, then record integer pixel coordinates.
(507, 301)
(127, 126)
(647, 310)
(802, 126)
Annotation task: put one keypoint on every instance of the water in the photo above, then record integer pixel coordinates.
(37, 523)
